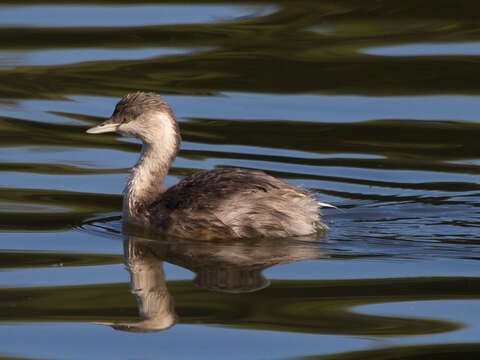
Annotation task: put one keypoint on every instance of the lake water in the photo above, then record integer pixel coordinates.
(373, 105)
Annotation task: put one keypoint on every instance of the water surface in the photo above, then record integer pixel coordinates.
(371, 105)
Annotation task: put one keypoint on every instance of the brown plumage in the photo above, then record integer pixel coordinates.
(222, 203)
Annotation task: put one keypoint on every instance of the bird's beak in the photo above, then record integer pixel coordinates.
(107, 126)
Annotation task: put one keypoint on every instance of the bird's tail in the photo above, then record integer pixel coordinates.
(326, 205)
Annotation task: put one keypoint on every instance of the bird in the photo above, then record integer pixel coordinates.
(222, 203)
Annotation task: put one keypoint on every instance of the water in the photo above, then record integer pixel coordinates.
(371, 105)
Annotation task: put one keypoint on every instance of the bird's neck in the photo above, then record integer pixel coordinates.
(146, 181)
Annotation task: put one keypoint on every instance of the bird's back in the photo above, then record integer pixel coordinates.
(234, 203)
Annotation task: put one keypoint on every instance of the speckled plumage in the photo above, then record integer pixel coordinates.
(222, 203)
(234, 203)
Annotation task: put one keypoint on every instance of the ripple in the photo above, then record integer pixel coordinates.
(12, 59)
(273, 310)
(45, 157)
(45, 259)
(326, 108)
(122, 16)
(76, 208)
(447, 350)
(29, 208)
(426, 49)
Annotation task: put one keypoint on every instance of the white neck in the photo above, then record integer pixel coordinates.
(146, 181)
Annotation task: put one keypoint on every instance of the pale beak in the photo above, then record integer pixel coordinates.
(103, 128)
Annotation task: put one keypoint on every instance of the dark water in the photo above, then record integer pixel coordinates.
(371, 104)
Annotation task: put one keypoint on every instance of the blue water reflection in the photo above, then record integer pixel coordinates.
(427, 49)
(123, 16)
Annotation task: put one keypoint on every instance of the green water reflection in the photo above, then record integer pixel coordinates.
(317, 307)
(303, 47)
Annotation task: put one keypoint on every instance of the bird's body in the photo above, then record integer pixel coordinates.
(221, 203)
(233, 203)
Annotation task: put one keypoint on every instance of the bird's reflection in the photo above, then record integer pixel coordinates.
(147, 282)
(233, 267)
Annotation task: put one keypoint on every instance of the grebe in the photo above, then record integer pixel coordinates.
(221, 203)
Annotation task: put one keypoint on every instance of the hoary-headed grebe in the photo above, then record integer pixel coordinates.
(221, 203)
